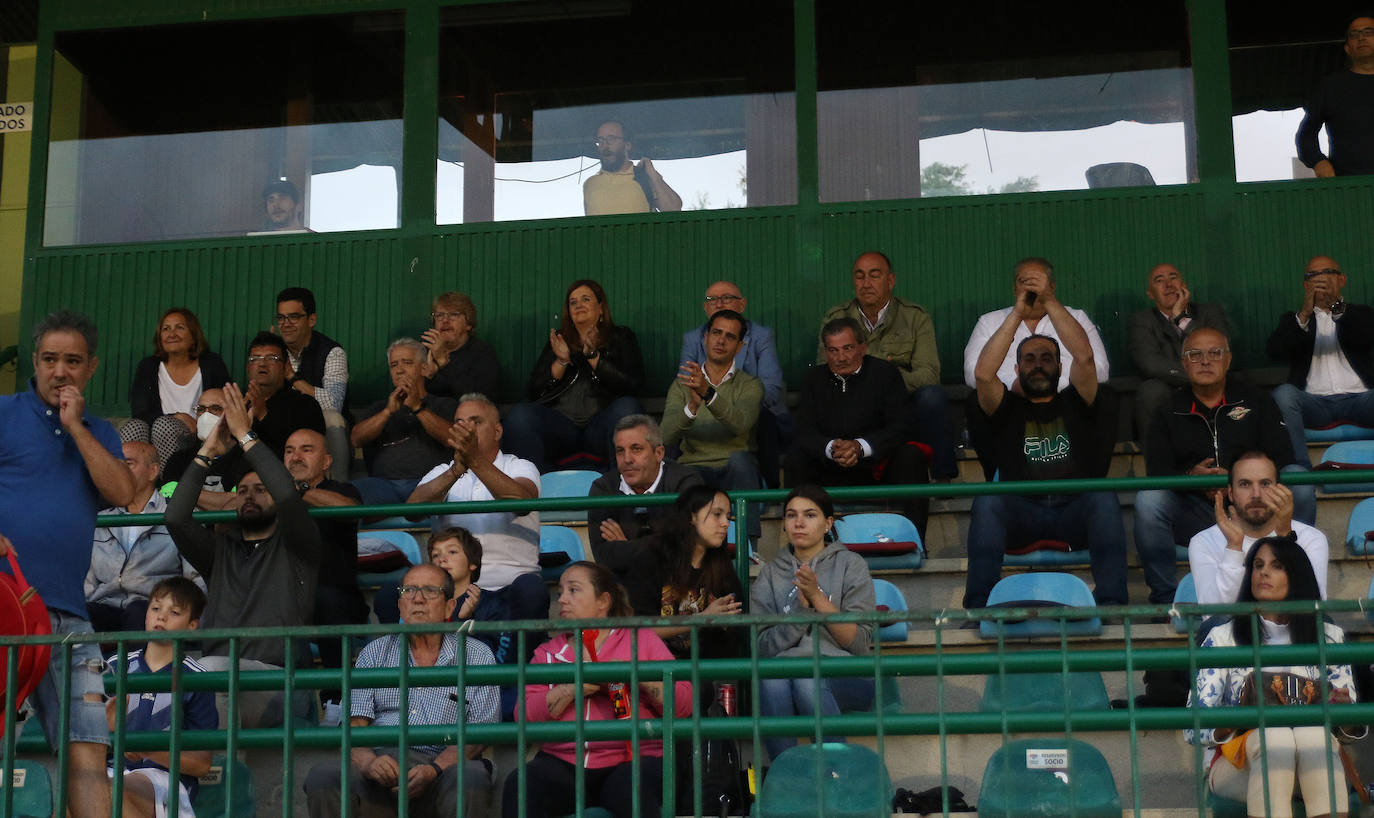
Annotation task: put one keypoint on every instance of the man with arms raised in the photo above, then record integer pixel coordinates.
(57, 462)
(639, 469)
(1041, 433)
(1259, 506)
(481, 471)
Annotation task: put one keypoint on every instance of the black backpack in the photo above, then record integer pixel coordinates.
(723, 791)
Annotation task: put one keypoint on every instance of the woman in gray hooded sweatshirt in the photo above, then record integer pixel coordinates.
(812, 573)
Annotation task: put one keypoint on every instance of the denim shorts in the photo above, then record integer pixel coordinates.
(87, 722)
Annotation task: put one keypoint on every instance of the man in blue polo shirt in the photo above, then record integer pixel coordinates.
(56, 463)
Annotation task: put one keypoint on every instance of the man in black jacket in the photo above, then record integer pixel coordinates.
(853, 427)
(639, 469)
(1329, 347)
(1203, 429)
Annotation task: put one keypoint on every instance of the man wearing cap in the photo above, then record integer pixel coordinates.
(1329, 347)
(281, 203)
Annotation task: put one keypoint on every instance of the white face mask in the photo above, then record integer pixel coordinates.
(205, 425)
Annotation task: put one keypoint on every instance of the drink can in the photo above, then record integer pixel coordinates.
(620, 702)
(727, 694)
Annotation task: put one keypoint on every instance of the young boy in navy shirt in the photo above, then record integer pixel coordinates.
(175, 604)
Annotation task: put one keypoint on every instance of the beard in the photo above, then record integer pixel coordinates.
(1039, 384)
(256, 519)
(1256, 516)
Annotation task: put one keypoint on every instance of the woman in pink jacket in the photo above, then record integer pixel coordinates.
(590, 591)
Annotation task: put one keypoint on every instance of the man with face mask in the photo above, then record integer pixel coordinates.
(622, 185)
(261, 571)
(1044, 434)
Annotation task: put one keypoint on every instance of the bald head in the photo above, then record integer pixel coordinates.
(723, 295)
(141, 458)
(306, 456)
(1324, 280)
(1206, 359)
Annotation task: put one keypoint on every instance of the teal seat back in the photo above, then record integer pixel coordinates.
(32, 790)
(1049, 588)
(405, 542)
(559, 539)
(566, 483)
(1043, 777)
(1044, 692)
(212, 800)
(1185, 594)
(852, 782)
(1357, 453)
(890, 597)
(1361, 523)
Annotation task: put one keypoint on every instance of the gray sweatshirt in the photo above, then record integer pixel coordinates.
(841, 574)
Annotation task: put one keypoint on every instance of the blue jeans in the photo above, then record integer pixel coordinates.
(929, 410)
(381, 490)
(1091, 520)
(87, 721)
(800, 697)
(1306, 411)
(741, 472)
(1164, 518)
(543, 435)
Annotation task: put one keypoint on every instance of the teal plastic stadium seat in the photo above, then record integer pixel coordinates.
(405, 542)
(1338, 432)
(890, 598)
(1231, 808)
(212, 799)
(885, 540)
(1351, 452)
(32, 790)
(852, 781)
(1048, 558)
(390, 523)
(1184, 594)
(566, 483)
(1361, 523)
(1041, 588)
(1043, 777)
(559, 539)
(1043, 692)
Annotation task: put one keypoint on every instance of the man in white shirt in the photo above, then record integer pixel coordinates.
(1031, 274)
(481, 471)
(1329, 347)
(1260, 507)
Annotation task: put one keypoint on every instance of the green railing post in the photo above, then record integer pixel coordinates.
(11, 730)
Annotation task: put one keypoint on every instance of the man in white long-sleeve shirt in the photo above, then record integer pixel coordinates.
(1260, 507)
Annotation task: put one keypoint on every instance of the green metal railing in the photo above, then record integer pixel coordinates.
(936, 720)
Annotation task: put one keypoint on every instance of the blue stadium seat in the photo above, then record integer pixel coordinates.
(405, 542)
(212, 798)
(885, 540)
(558, 541)
(389, 523)
(1350, 452)
(1361, 523)
(829, 780)
(566, 483)
(1038, 777)
(890, 598)
(32, 790)
(1337, 433)
(1044, 692)
(1185, 594)
(1036, 589)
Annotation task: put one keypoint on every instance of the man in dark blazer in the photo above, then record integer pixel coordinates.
(1156, 335)
(639, 469)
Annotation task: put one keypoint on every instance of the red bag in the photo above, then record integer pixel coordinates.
(22, 613)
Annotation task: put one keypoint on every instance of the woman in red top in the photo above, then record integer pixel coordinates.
(590, 591)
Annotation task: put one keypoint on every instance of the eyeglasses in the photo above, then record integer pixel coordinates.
(436, 317)
(1359, 33)
(1325, 271)
(290, 318)
(1213, 354)
(430, 592)
(712, 299)
(607, 140)
(212, 408)
(257, 359)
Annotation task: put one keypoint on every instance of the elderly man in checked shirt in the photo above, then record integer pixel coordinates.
(433, 775)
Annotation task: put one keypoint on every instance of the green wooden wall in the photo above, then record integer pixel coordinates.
(1242, 245)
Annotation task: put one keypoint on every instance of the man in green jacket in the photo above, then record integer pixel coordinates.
(902, 333)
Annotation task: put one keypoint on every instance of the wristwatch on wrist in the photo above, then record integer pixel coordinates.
(302, 486)
(248, 437)
(710, 394)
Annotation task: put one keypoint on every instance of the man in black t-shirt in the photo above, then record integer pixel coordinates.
(1041, 434)
(1344, 103)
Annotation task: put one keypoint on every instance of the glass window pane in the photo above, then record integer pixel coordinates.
(695, 114)
(1280, 62)
(181, 132)
(932, 100)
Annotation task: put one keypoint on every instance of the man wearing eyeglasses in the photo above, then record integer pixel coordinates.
(757, 356)
(1202, 430)
(276, 410)
(316, 367)
(901, 333)
(1344, 103)
(435, 774)
(622, 185)
(1156, 335)
(1329, 348)
(458, 362)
